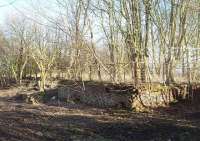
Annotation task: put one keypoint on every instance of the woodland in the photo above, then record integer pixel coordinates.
(100, 70)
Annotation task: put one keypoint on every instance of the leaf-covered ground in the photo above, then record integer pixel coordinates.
(26, 122)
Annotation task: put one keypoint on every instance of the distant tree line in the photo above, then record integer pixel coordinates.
(143, 40)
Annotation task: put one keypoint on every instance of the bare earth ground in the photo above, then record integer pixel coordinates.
(26, 122)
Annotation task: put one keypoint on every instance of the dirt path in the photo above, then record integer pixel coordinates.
(25, 122)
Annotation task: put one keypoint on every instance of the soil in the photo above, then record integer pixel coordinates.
(20, 121)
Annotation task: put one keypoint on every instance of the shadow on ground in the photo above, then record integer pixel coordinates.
(23, 122)
(20, 121)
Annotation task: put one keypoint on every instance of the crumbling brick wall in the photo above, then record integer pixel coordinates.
(101, 96)
(122, 96)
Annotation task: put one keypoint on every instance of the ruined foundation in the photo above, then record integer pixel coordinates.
(143, 98)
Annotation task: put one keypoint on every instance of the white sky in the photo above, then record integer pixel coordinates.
(14, 8)
(6, 9)
(9, 8)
